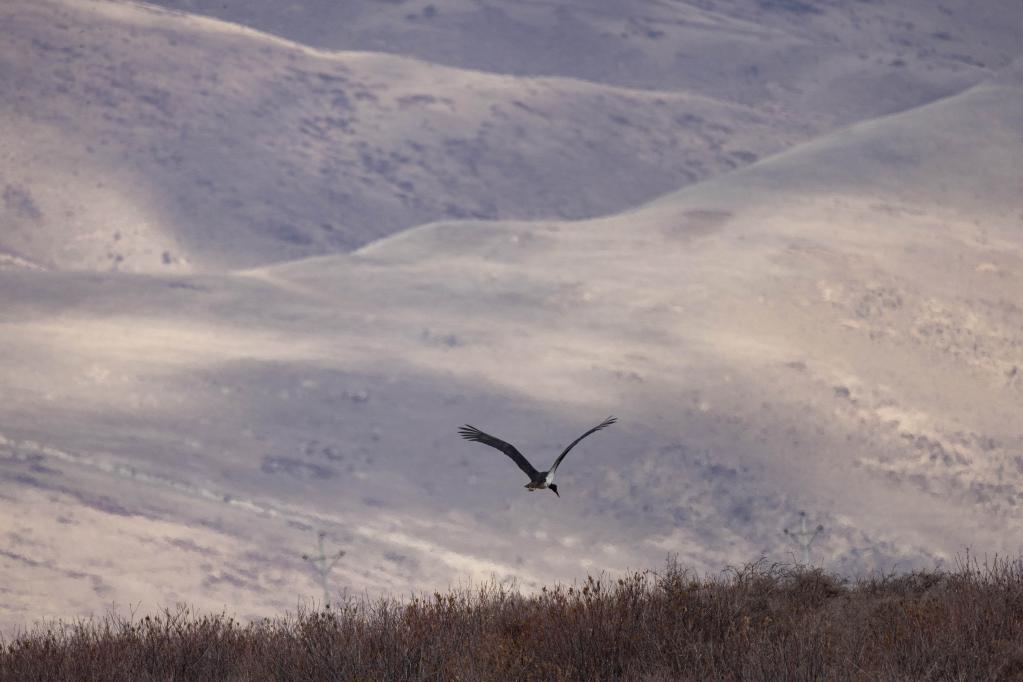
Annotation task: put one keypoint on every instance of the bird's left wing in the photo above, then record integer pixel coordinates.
(607, 422)
(469, 432)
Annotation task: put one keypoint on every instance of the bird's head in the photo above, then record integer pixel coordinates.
(554, 489)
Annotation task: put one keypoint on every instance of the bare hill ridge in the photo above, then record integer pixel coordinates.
(141, 139)
(144, 140)
(821, 56)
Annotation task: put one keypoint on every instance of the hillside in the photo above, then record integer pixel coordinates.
(149, 141)
(154, 140)
(835, 328)
(826, 59)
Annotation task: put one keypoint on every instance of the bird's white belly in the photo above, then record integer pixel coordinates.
(540, 485)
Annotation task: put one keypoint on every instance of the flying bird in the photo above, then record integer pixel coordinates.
(538, 480)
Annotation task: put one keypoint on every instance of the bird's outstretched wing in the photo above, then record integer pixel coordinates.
(607, 422)
(472, 433)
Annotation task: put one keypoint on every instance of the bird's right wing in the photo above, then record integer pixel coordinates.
(472, 433)
(604, 424)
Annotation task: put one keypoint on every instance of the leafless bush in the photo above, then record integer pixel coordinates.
(761, 622)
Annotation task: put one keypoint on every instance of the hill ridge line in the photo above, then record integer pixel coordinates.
(119, 10)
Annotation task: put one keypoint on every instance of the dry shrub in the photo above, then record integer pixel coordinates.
(759, 622)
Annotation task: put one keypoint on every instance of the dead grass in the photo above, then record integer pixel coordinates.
(758, 622)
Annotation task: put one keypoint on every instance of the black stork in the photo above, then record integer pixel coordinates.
(538, 480)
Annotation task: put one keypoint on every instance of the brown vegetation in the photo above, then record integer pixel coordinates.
(755, 623)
